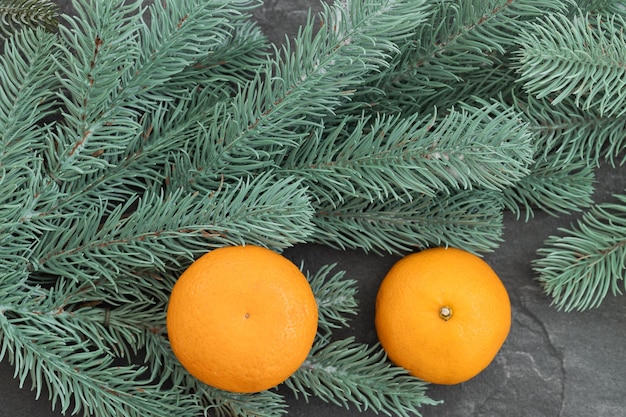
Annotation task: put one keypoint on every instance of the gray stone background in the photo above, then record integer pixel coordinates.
(553, 364)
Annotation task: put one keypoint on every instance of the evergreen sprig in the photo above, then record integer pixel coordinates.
(552, 187)
(587, 262)
(579, 58)
(348, 373)
(29, 90)
(336, 299)
(70, 352)
(16, 14)
(459, 53)
(390, 158)
(398, 227)
(568, 134)
(161, 232)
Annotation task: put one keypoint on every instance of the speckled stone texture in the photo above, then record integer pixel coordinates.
(553, 364)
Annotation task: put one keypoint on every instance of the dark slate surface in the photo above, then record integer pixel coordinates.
(553, 364)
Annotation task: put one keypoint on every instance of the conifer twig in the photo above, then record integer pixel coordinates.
(16, 14)
(580, 268)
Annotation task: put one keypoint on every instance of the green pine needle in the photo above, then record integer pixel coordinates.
(580, 268)
(336, 299)
(347, 373)
(17, 14)
(554, 186)
(471, 220)
(581, 58)
(460, 41)
(393, 158)
(569, 134)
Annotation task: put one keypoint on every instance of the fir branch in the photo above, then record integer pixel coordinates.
(54, 348)
(614, 7)
(28, 85)
(554, 186)
(335, 298)
(593, 6)
(266, 119)
(228, 67)
(16, 14)
(30, 201)
(479, 144)
(348, 373)
(228, 404)
(570, 134)
(580, 268)
(460, 38)
(569, 143)
(467, 219)
(489, 82)
(160, 231)
(181, 35)
(171, 135)
(396, 158)
(99, 44)
(120, 62)
(119, 316)
(582, 58)
(28, 88)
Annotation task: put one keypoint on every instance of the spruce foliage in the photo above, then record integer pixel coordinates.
(582, 267)
(137, 137)
(15, 14)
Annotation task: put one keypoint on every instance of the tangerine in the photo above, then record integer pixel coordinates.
(242, 318)
(442, 314)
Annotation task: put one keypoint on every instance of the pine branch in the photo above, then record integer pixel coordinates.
(17, 14)
(348, 373)
(27, 102)
(54, 347)
(182, 36)
(614, 7)
(580, 58)
(266, 119)
(394, 158)
(460, 38)
(23, 220)
(171, 136)
(569, 143)
(226, 69)
(228, 404)
(466, 219)
(594, 6)
(119, 63)
(580, 268)
(29, 87)
(99, 43)
(489, 82)
(159, 231)
(335, 299)
(571, 134)
(554, 186)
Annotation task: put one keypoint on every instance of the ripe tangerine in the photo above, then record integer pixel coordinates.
(442, 314)
(242, 318)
